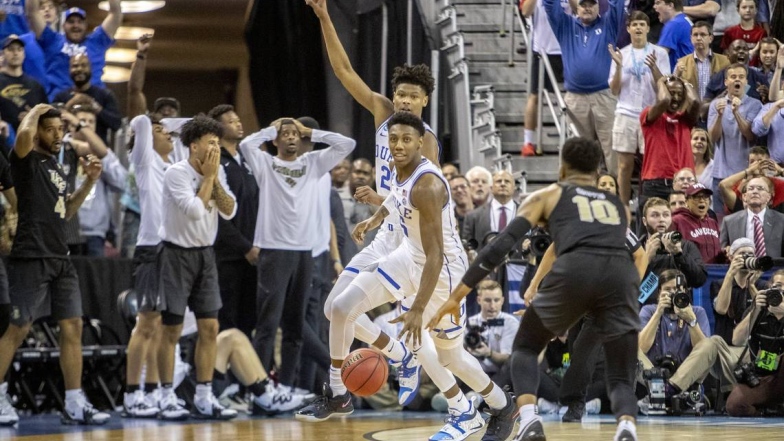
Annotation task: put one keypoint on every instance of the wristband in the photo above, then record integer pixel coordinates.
(693, 323)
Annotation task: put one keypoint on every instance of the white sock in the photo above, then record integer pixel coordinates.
(203, 391)
(459, 402)
(394, 350)
(626, 425)
(336, 382)
(527, 413)
(72, 395)
(530, 136)
(496, 398)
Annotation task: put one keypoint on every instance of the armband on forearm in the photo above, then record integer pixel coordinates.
(495, 253)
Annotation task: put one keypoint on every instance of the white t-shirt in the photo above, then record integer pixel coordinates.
(288, 190)
(499, 338)
(150, 169)
(637, 90)
(184, 219)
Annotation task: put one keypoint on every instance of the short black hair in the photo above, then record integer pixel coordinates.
(582, 154)
(409, 119)
(199, 126)
(309, 122)
(49, 114)
(418, 74)
(217, 111)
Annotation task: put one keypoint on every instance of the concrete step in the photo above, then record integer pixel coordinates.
(494, 72)
(537, 168)
(477, 43)
(477, 2)
(479, 14)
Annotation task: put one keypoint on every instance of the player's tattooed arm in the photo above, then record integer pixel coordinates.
(222, 199)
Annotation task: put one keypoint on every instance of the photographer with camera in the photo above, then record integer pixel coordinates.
(733, 296)
(665, 250)
(760, 380)
(673, 326)
(490, 333)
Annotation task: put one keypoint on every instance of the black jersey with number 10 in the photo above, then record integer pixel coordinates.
(586, 217)
(41, 191)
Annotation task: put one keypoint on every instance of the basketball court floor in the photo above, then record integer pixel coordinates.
(385, 426)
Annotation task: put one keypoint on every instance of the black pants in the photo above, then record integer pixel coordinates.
(238, 285)
(284, 279)
(315, 349)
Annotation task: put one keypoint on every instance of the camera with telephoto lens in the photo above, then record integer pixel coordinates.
(773, 296)
(673, 236)
(474, 337)
(763, 263)
(540, 241)
(681, 298)
(744, 374)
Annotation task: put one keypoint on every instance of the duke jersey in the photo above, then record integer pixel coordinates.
(408, 216)
(384, 173)
(586, 217)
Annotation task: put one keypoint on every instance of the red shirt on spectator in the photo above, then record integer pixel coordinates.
(667, 145)
(751, 37)
(703, 232)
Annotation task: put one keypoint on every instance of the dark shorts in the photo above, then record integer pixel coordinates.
(601, 283)
(4, 296)
(533, 72)
(188, 277)
(41, 287)
(146, 277)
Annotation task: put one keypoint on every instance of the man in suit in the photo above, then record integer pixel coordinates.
(493, 216)
(764, 227)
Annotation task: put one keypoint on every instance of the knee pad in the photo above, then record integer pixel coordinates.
(169, 319)
(5, 317)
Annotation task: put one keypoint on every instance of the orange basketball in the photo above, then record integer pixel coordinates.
(364, 372)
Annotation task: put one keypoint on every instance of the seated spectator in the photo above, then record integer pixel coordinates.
(87, 95)
(496, 328)
(757, 82)
(677, 199)
(695, 225)
(760, 164)
(60, 47)
(666, 127)
(95, 214)
(683, 178)
(19, 92)
(479, 179)
(633, 81)
(763, 226)
(730, 130)
(461, 196)
(491, 217)
(664, 253)
(770, 122)
(733, 296)
(449, 171)
(748, 30)
(762, 331)
(698, 67)
(702, 150)
(668, 330)
(676, 33)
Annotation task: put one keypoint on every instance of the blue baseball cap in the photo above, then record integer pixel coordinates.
(78, 11)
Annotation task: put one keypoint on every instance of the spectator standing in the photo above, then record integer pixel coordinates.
(59, 48)
(480, 180)
(84, 93)
(698, 67)
(340, 182)
(361, 176)
(14, 20)
(748, 30)
(461, 196)
(666, 127)
(234, 250)
(758, 223)
(676, 34)
(494, 216)
(768, 49)
(19, 92)
(449, 170)
(587, 66)
(633, 76)
(695, 225)
(738, 53)
(702, 150)
(770, 122)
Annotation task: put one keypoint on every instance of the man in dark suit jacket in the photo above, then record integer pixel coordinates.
(491, 217)
(757, 194)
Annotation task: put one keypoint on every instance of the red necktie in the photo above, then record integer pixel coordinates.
(759, 237)
(502, 219)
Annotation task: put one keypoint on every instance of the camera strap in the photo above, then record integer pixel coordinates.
(764, 360)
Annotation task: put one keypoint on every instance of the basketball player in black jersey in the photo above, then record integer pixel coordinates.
(593, 273)
(42, 280)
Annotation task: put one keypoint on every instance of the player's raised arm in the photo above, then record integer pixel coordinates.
(379, 105)
(28, 130)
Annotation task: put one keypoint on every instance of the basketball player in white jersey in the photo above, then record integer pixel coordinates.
(420, 273)
(412, 86)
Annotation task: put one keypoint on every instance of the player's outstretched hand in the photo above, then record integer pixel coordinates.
(92, 167)
(360, 230)
(451, 307)
(412, 327)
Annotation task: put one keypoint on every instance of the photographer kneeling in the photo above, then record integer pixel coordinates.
(760, 380)
(490, 333)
